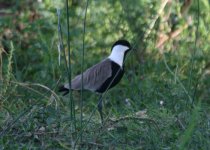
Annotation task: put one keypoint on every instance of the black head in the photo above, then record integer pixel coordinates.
(123, 43)
(119, 51)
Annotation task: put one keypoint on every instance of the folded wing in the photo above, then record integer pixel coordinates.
(93, 77)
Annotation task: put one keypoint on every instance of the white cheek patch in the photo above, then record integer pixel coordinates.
(118, 54)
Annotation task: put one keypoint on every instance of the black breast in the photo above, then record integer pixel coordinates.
(117, 74)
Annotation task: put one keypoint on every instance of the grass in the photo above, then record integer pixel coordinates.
(162, 101)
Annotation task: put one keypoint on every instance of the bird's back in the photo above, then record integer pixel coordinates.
(97, 78)
(93, 77)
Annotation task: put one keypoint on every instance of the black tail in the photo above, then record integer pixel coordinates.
(63, 89)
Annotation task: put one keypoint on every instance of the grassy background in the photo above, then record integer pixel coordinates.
(162, 101)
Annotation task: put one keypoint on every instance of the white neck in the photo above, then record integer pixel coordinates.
(118, 53)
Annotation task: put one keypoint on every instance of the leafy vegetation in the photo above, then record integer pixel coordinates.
(162, 101)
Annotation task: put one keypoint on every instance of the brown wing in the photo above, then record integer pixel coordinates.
(93, 77)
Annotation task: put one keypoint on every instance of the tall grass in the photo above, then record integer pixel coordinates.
(9, 69)
(82, 68)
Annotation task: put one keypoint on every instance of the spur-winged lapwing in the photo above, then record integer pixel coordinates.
(104, 75)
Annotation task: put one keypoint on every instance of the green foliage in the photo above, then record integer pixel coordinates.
(162, 101)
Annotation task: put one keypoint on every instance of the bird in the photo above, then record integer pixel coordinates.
(102, 76)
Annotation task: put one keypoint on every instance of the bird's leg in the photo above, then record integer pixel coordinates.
(100, 106)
